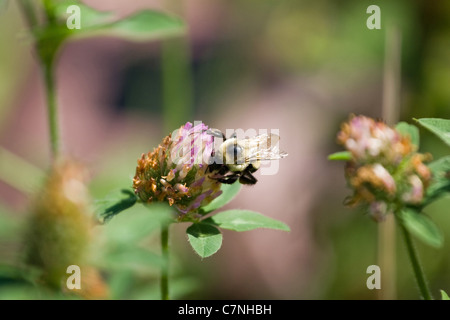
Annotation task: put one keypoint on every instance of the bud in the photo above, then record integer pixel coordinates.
(60, 225)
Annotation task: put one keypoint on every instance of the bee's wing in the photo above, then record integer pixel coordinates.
(263, 147)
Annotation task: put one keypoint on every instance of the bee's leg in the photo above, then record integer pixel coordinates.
(247, 178)
(222, 170)
(218, 169)
(229, 179)
(221, 176)
(214, 167)
(251, 168)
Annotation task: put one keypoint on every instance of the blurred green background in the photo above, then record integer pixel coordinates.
(298, 66)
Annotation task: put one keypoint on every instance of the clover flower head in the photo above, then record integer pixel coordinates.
(176, 171)
(384, 168)
(60, 228)
(370, 140)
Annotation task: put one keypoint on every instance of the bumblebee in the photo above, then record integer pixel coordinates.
(238, 159)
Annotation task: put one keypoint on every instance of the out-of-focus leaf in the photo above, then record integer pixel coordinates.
(422, 227)
(341, 156)
(440, 127)
(28, 179)
(444, 295)
(410, 131)
(133, 258)
(119, 244)
(114, 203)
(51, 36)
(119, 283)
(440, 183)
(147, 25)
(9, 227)
(142, 26)
(139, 222)
(244, 220)
(205, 239)
(20, 292)
(229, 191)
(89, 17)
(179, 288)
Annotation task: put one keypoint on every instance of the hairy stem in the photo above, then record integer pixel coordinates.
(418, 272)
(165, 266)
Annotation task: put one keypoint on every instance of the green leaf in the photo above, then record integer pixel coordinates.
(139, 222)
(244, 220)
(51, 36)
(341, 155)
(422, 227)
(89, 17)
(205, 239)
(410, 131)
(229, 191)
(114, 203)
(10, 226)
(132, 258)
(440, 127)
(440, 183)
(142, 26)
(119, 283)
(444, 295)
(147, 25)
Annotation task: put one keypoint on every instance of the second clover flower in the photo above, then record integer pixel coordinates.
(385, 168)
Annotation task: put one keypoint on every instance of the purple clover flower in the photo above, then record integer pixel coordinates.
(176, 171)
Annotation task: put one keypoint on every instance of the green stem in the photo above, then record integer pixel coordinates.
(49, 11)
(165, 266)
(46, 52)
(418, 272)
(51, 107)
